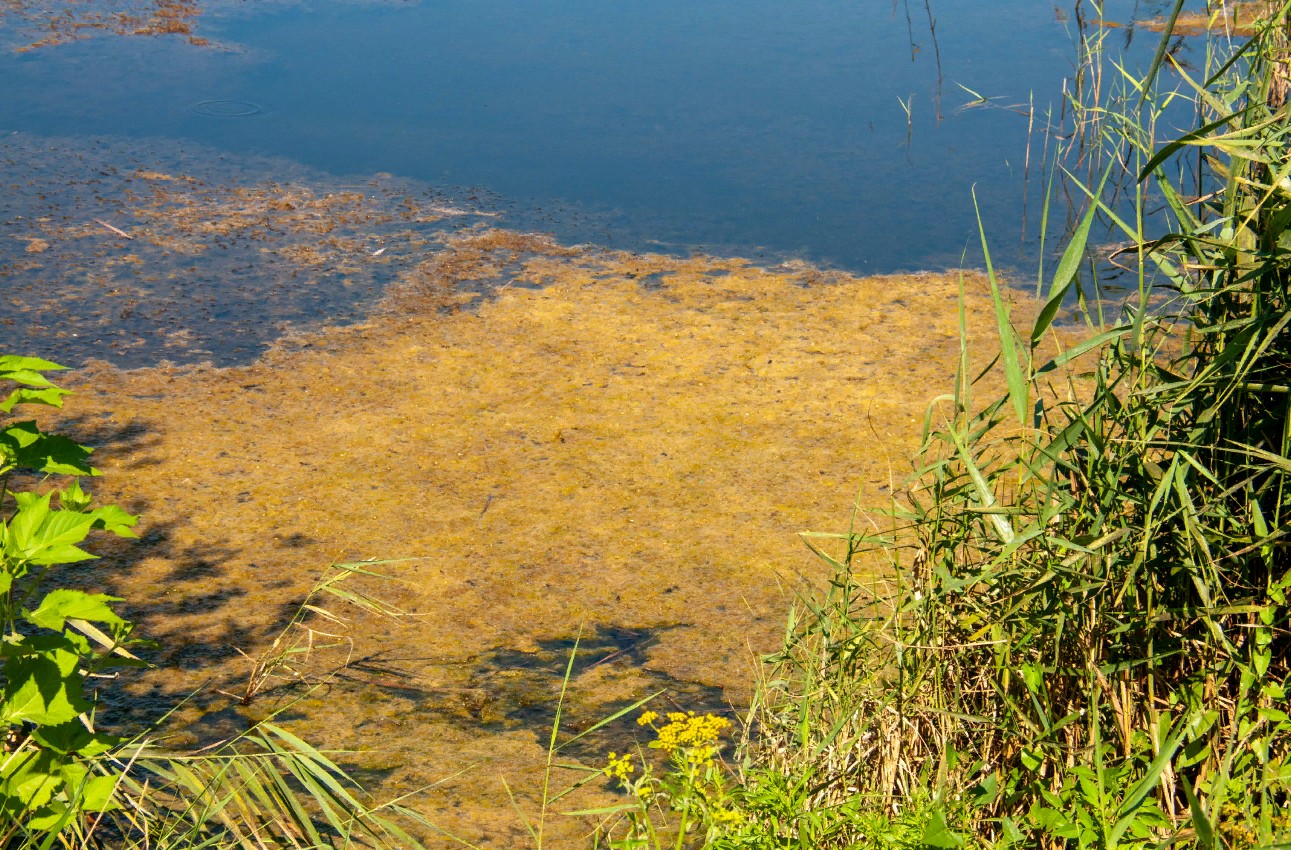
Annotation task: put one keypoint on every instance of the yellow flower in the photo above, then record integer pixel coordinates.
(723, 815)
(619, 767)
(695, 735)
(647, 718)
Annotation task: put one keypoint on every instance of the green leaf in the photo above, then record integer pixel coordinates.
(38, 535)
(1205, 829)
(49, 453)
(1019, 389)
(72, 737)
(97, 794)
(62, 604)
(1138, 792)
(1067, 267)
(29, 778)
(44, 688)
(51, 396)
(1159, 56)
(73, 498)
(13, 363)
(938, 834)
(1198, 135)
(112, 518)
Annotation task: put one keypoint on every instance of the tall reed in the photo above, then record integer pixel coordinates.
(1080, 636)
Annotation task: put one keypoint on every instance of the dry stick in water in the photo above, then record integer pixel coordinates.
(118, 231)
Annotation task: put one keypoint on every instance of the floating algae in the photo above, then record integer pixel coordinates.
(106, 252)
(605, 442)
(45, 23)
(1232, 17)
(27, 25)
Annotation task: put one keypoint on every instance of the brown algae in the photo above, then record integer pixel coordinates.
(608, 441)
(51, 22)
(1232, 17)
(110, 255)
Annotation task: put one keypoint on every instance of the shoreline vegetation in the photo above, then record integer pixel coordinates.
(1080, 638)
(1068, 629)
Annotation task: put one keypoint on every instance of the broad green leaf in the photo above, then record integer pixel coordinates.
(29, 778)
(51, 396)
(32, 511)
(11, 364)
(44, 688)
(938, 834)
(63, 604)
(51, 453)
(97, 794)
(42, 536)
(73, 737)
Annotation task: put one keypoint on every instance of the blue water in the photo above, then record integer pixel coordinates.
(763, 129)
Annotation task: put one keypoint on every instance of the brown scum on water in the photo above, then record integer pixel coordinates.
(1234, 17)
(51, 22)
(107, 255)
(608, 441)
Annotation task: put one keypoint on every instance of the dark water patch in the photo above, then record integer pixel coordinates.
(132, 255)
(653, 281)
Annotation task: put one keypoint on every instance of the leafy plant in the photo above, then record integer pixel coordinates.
(62, 778)
(55, 640)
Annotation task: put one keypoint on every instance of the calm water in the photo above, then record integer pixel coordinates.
(754, 128)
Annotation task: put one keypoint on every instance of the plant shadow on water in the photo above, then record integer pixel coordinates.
(521, 689)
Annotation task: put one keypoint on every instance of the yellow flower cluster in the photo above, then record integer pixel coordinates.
(696, 735)
(619, 767)
(726, 817)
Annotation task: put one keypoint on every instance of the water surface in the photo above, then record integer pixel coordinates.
(845, 134)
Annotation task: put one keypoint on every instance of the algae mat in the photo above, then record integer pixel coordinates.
(620, 444)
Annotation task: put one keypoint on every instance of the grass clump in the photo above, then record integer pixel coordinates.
(1079, 636)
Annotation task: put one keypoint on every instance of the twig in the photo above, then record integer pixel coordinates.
(118, 231)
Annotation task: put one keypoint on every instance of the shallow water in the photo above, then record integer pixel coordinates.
(626, 451)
